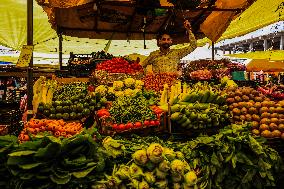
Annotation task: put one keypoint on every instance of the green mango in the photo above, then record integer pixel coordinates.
(182, 119)
(176, 116)
(205, 96)
(175, 108)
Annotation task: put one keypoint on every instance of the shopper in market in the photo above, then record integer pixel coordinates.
(166, 59)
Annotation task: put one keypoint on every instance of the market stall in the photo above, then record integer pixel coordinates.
(112, 126)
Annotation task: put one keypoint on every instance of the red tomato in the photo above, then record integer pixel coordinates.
(157, 123)
(114, 126)
(147, 123)
(129, 125)
(138, 124)
(121, 127)
(152, 123)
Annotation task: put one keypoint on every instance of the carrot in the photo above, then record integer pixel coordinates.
(57, 134)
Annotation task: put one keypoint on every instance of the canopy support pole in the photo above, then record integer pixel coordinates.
(60, 39)
(213, 50)
(30, 67)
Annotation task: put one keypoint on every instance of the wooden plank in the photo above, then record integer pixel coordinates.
(72, 80)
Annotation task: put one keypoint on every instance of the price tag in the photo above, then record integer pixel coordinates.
(30, 112)
(25, 56)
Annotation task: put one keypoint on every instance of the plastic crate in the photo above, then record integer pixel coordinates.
(238, 75)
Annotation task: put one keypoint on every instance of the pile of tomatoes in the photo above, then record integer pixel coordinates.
(156, 82)
(104, 114)
(57, 128)
(119, 65)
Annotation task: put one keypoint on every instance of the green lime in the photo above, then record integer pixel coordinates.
(86, 112)
(73, 115)
(86, 105)
(80, 107)
(65, 116)
(59, 109)
(93, 102)
(79, 116)
(58, 116)
(46, 113)
(68, 102)
(52, 110)
(91, 108)
(47, 106)
(66, 109)
(52, 116)
(40, 109)
(57, 103)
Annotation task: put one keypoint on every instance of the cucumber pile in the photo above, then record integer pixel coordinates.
(199, 115)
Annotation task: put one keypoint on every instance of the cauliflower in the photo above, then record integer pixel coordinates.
(190, 178)
(139, 84)
(129, 82)
(140, 157)
(128, 92)
(111, 90)
(118, 85)
(118, 93)
(102, 89)
(155, 153)
(135, 91)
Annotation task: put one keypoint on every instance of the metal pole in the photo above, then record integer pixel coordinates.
(213, 51)
(60, 50)
(30, 67)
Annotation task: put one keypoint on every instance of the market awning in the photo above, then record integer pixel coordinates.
(259, 14)
(266, 66)
(268, 55)
(141, 19)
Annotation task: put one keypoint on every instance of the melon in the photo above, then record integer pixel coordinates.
(276, 134)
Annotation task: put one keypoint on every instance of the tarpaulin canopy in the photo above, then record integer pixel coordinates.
(138, 20)
(268, 55)
(265, 65)
(13, 29)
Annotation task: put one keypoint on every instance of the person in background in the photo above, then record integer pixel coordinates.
(166, 59)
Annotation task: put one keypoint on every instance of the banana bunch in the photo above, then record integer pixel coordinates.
(43, 91)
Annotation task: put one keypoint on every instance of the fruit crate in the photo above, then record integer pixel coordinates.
(106, 128)
(105, 78)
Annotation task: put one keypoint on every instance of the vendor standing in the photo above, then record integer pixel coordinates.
(166, 59)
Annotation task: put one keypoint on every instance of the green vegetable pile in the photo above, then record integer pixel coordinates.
(131, 109)
(70, 90)
(50, 162)
(151, 167)
(71, 102)
(199, 115)
(233, 159)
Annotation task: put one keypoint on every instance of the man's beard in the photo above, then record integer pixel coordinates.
(166, 46)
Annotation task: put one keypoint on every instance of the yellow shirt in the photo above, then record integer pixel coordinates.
(169, 62)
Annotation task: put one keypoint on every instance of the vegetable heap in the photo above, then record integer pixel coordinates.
(119, 65)
(127, 87)
(131, 109)
(156, 82)
(199, 115)
(249, 105)
(151, 167)
(43, 92)
(50, 162)
(233, 159)
(71, 102)
(210, 69)
(56, 128)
